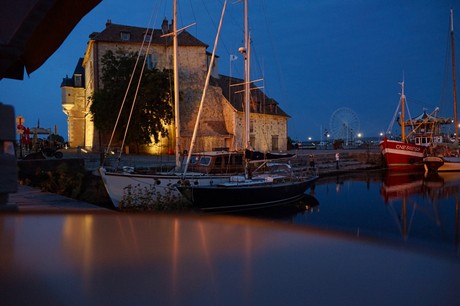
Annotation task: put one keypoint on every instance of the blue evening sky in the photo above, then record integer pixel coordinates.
(315, 56)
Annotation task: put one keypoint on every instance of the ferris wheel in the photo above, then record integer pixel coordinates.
(344, 124)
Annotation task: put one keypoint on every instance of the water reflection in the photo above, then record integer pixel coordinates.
(140, 259)
(413, 208)
(437, 190)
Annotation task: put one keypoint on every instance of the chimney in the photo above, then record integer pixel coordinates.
(164, 26)
(109, 22)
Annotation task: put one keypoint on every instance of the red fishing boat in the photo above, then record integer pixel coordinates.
(402, 155)
(408, 152)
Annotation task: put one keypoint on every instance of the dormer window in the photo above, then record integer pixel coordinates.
(147, 38)
(125, 36)
(77, 80)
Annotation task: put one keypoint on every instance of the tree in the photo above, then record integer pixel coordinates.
(152, 110)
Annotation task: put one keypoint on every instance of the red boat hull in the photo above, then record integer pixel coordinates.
(402, 156)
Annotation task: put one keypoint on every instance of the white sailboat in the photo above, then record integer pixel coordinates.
(133, 189)
(276, 187)
(446, 157)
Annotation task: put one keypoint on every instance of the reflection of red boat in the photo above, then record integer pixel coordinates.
(399, 184)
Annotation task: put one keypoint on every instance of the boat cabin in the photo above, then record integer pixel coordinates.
(217, 162)
(426, 129)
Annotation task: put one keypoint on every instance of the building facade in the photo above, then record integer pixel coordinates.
(222, 121)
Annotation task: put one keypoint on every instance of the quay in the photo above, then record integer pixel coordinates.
(32, 199)
(325, 160)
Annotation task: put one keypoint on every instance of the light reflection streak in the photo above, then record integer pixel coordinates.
(203, 237)
(77, 239)
(175, 261)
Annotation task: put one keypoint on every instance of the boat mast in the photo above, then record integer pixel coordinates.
(246, 76)
(403, 106)
(176, 86)
(206, 85)
(453, 75)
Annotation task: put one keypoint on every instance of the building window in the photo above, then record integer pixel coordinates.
(125, 36)
(77, 80)
(275, 146)
(252, 141)
(151, 61)
(147, 38)
(251, 126)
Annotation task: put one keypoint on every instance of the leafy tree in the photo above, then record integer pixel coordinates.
(153, 107)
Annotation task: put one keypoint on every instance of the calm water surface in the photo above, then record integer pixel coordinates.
(411, 209)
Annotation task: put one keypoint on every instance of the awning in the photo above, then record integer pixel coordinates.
(32, 30)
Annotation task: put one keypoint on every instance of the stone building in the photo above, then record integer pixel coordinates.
(222, 122)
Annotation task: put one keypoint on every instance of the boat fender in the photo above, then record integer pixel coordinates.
(195, 183)
(237, 178)
(158, 182)
(127, 169)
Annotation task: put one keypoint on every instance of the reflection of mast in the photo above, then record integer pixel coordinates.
(404, 219)
(457, 221)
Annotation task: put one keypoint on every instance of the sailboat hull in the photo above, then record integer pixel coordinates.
(402, 156)
(155, 188)
(246, 196)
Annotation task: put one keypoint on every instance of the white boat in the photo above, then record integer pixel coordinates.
(254, 190)
(446, 157)
(128, 190)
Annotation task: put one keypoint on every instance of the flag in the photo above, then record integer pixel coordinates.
(233, 57)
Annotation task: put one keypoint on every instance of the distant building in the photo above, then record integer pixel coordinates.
(74, 105)
(222, 121)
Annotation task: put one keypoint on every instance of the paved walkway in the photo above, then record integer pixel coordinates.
(30, 199)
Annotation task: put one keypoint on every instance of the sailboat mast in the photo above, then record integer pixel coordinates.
(246, 75)
(176, 86)
(453, 74)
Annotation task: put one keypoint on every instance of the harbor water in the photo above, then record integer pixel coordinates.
(415, 210)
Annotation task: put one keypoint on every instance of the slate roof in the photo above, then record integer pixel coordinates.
(112, 33)
(260, 103)
(70, 81)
